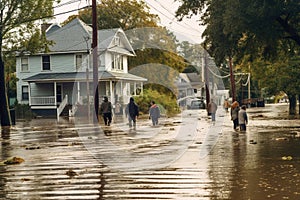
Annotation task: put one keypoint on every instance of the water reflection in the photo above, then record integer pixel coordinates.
(234, 169)
(5, 153)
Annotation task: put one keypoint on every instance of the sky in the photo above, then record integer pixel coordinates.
(188, 29)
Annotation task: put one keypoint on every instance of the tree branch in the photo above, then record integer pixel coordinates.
(290, 30)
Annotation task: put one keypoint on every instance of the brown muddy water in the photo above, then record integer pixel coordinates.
(70, 160)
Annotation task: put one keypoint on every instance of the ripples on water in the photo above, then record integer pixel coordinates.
(58, 166)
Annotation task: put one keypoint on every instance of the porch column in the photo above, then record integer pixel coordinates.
(134, 87)
(55, 94)
(111, 92)
(142, 88)
(29, 94)
(121, 90)
(78, 91)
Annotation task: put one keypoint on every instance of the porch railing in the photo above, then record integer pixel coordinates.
(62, 106)
(50, 101)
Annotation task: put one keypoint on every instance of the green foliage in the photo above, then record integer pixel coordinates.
(125, 14)
(278, 76)
(18, 19)
(264, 33)
(254, 27)
(167, 104)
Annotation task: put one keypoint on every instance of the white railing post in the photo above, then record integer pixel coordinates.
(62, 106)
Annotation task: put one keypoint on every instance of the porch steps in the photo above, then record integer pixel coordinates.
(65, 112)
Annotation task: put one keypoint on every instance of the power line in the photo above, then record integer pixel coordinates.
(67, 3)
(82, 8)
(174, 17)
(172, 20)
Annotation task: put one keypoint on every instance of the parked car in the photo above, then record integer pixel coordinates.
(196, 104)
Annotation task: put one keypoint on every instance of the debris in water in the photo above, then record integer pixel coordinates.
(25, 179)
(13, 161)
(71, 173)
(281, 139)
(32, 148)
(252, 142)
(286, 157)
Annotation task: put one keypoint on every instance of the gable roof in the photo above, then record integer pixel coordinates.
(76, 36)
(194, 77)
(106, 38)
(190, 80)
(184, 77)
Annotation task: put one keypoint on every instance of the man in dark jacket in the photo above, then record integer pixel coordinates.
(106, 111)
(132, 112)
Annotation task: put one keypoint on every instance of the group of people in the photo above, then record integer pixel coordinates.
(239, 116)
(131, 111)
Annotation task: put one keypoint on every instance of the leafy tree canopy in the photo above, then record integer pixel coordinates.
(152, 43)
(17, 19)
(246, 25)
(125, 14)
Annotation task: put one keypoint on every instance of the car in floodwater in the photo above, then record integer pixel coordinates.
(196, 103)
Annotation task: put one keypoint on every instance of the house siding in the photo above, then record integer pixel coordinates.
(70, 41)
(63, 63)
(42, 89)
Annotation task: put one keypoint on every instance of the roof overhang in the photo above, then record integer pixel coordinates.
(82, 76)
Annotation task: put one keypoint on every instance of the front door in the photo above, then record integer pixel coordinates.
(58, 93)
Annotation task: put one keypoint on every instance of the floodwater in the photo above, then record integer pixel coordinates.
(70, 160)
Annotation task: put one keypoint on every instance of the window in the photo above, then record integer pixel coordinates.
(78, 61)
(117, 62)
(24, 64)
(46, 62)
(25, 93)
(117, 41)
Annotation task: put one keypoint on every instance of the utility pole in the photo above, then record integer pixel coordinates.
(95, 59)
(249, 89)
(232, 81)
(206, 78)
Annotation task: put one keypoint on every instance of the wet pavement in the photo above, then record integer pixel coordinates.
(184, 158)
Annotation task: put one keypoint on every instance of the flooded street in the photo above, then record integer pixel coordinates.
(184, 158)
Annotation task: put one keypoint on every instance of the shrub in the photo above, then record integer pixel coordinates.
(167, 104)
(23, 111)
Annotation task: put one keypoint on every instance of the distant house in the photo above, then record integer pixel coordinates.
(63, 76)
(189, 85)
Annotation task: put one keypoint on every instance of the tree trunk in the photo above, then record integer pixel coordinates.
(293, 104)
(4, 106)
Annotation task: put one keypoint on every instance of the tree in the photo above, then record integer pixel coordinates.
(125, 14)
(262, 29)
(152, 43)
(17, 19)
(288, 69)
(262, 22)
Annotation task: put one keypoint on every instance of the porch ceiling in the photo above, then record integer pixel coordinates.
(82, 76)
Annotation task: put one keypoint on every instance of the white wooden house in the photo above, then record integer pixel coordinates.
(63, 76)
